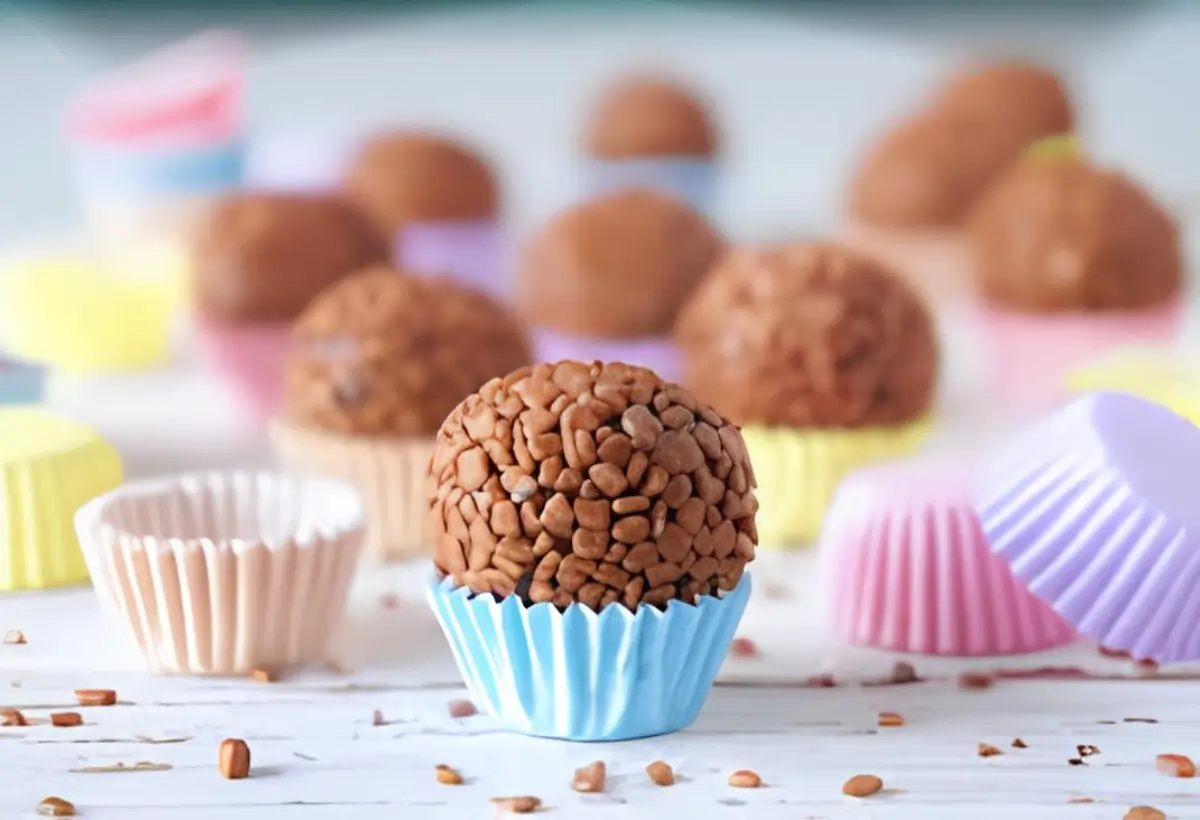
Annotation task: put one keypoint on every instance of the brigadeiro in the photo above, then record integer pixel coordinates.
(914, 187)
(828, 359)
(593, 527)
(378, 362)
(1073, 261)
(605, 279)
(438, 202)
(652, 131)
(256, 263)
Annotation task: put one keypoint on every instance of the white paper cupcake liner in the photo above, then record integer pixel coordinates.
(223, 573)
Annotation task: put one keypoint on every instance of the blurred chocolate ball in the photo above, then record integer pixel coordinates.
(620, 265)
(383, 353)
(591, 483)
(648, 116)
(262, 257)
(1024, 101)
(403, 177)
(809, 334)
(1060, 234)
(926, 172)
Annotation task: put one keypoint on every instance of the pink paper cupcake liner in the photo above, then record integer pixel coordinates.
(1094, 509)
(657, 354)
(1030, 356)
(909, 570)
(470, 252)
(937, 263)
(224, 573)
(251, 360)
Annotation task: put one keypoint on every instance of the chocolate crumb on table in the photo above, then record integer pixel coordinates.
(95, 697)
(975, 680)
(1174, 765)
(862, 785)
(661, 773)
(12, 717)
(55, 807)
(1087, 750)
(988, 750)
(66, 719)
(447, 776)
(14, 637)
(526, 804)
(1019, 744)
(891, 719)
(743, 648)
(745, 779)
(1144, 813)
(1075, 761)
(461, 708)
(590, 778)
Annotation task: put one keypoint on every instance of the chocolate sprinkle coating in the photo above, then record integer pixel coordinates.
(591, 483)
(1063, 235)
(262, 257)
(809, 334)
(384, 353)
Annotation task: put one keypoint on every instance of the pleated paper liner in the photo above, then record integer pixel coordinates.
(1094, 509)
(935, 262)
(391, 474)
(693, 180)
(586, 676)
(224, 573)
(907, 569)
(470, 252)
(655, 353)
(78, 314)
(1163, 375)
(50, 467)
(798, 472)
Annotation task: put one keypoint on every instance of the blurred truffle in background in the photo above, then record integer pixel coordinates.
(258, 260)
(438, 201)
(652, 131)
(915, 185)
(378, 362)
(1073, 261)
(604, 280)
(827, 358)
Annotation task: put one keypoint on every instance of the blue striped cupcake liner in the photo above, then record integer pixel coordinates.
(586, 676)
(20, 382)
(688, 179)
(138, 175)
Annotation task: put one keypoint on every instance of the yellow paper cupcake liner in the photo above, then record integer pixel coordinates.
(77, 314)
(49, 467)
(798, 472)
(1158, 376)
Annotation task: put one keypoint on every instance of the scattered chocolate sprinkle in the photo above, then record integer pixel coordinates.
(1019, 744)
(1075, 761)
(975, 680)
(14, 637)
(988, 750)
(462, 708)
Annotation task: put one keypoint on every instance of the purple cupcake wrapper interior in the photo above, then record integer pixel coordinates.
(656, 353)
(1094, 509)
(300, 161)
(473, 253)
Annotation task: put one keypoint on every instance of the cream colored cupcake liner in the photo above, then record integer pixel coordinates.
(223, 573)
(391, 474)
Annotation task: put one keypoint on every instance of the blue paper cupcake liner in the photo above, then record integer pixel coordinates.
(21, 383)
(586, 676)
(138, 175)
(1095, 510)
(689, 179)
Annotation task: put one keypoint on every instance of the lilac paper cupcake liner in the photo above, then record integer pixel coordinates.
(297, 161)
(471, 252)
(656, 353)
(1095, 510)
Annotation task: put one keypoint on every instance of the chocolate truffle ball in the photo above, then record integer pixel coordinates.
(926, 172)
(404, 177)
(620, 265)
(643, 116)
(1024, 101)
(262, 257)
(383, 353)
(809, 335)
(591, 483)
(1063, 235)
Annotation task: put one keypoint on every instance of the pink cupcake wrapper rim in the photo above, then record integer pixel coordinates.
(252, 360)
(1094, 510)
(908, 570)
(1030, 356)
(656, 353)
